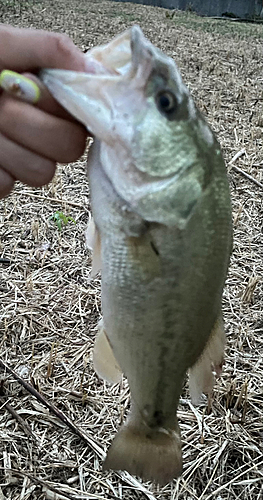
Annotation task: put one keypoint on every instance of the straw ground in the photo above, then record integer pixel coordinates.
(50, 306)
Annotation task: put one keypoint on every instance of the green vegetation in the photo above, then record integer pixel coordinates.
(222, 26)
(61, 219)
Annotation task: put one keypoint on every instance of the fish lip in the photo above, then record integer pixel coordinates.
(141, 50)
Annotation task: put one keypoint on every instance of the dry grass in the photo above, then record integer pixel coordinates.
(50, 307)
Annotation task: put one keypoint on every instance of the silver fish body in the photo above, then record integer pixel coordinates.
(161, 207)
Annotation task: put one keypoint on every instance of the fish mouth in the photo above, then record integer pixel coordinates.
(115, 76)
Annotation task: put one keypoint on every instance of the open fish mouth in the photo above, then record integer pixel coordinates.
(99, 97)
(114, 58)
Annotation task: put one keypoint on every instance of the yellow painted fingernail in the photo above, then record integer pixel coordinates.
(19, 86)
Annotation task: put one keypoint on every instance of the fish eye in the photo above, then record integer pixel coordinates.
(166, 102)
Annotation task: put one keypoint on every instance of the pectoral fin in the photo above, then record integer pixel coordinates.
(104, 360)
(201, 374)
(93, 243)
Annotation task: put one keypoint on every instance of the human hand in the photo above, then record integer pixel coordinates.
(34, 137)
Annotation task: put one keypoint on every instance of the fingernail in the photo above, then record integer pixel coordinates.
(19, 86)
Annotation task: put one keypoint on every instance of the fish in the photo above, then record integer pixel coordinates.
(161, 234)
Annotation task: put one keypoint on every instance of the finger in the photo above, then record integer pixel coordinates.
(42, 133)
(19, 86)
(29, 88)
(6, 183)
(24, 165)
(30, 50)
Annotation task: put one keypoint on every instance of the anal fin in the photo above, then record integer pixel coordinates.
(201, 374)
(104, 360)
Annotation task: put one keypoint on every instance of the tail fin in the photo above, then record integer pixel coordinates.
(154, 455)
(201, 374)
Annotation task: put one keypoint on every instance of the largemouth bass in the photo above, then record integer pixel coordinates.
(161, 234)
